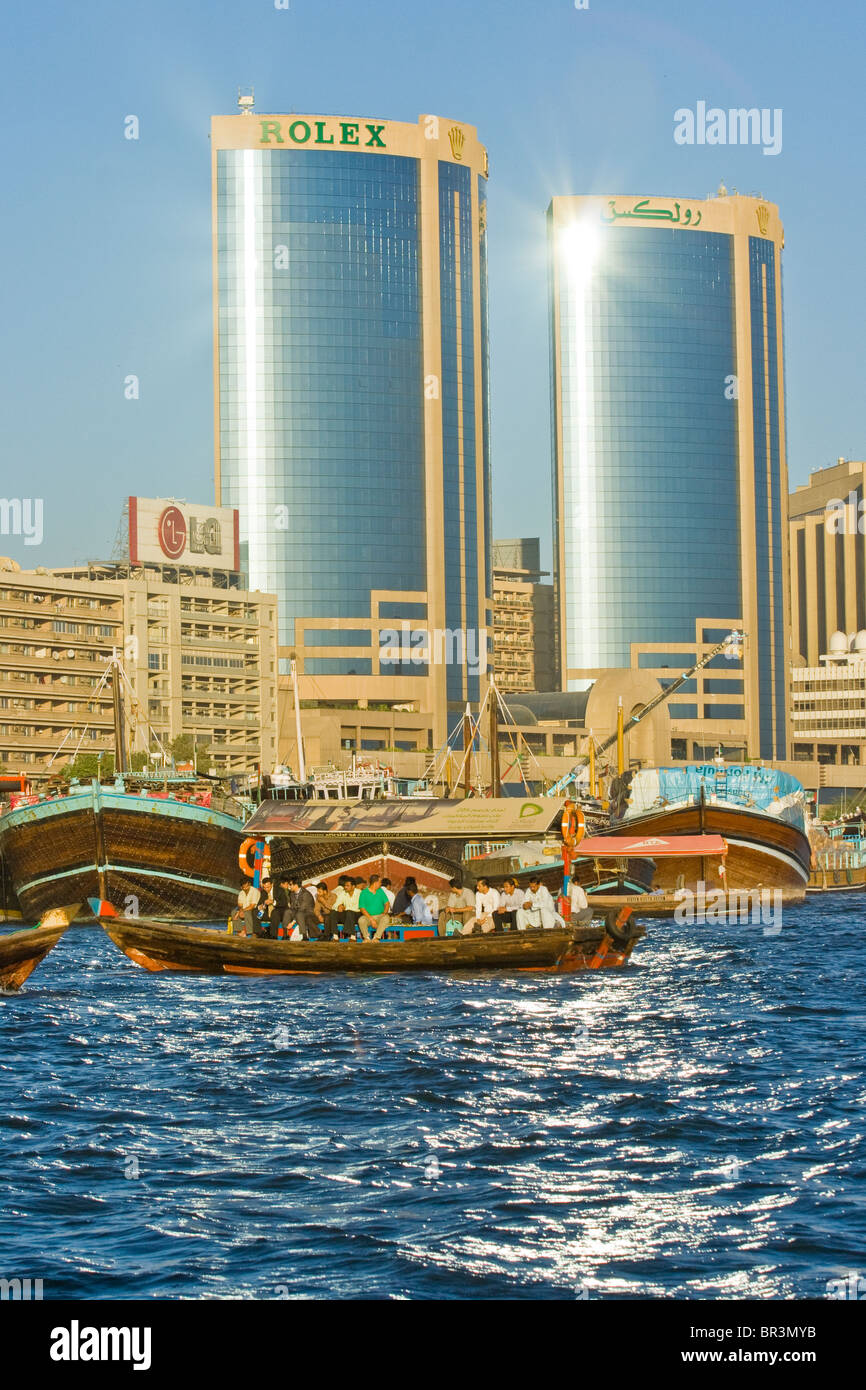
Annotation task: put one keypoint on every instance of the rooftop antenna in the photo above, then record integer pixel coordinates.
(246, 100)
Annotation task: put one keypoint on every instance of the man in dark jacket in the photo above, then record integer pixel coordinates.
(302, 909)
(279, 915)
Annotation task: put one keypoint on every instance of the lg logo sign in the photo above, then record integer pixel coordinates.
(202, 538)
(172, 533)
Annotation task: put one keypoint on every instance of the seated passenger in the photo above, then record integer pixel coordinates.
(459, 906)
(374, 909)
(581, 912)
(538, 908)
(302, 908)
(510, 899)
(343, 913)
(248, 900)
(486, 903)
(276, 919)
(403, 898)
(419, 908)
(324, 906)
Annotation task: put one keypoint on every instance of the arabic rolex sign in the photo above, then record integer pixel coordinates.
(641, 211)
(288, 131)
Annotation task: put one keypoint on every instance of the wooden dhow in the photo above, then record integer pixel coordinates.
(152, 845)
(159, 946)
(145, 850)
(758, 811)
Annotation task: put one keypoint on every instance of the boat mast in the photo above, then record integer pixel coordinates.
(495, 775)
(120, 763)
(467, 755)
(302, 767)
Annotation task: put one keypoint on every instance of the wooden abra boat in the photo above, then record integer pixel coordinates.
(22, 951)
(161, 946)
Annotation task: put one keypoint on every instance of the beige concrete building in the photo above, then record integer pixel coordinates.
(524, 627)
(828, 558)
(828, 705)
(351, 412)
(55, 635)
(199, 652)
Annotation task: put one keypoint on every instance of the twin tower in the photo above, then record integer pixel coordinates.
(353, 421)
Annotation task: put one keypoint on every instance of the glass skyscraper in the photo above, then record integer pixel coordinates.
(352, 396)
(670, 483)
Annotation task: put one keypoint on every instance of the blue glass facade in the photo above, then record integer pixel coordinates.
(771, 496)
(459, 441)
(648, 511)
(321, 377)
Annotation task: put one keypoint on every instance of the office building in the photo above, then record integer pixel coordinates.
(827, 521)
(199, 650)
(351, 399)
(524, 630)
(670, 482)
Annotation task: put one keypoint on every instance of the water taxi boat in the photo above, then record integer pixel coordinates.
(160, 946)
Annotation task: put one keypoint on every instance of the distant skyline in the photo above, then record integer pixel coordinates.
(106, 241)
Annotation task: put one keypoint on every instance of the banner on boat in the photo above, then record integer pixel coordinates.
(486, 818)
(651, 846)
(764, 789)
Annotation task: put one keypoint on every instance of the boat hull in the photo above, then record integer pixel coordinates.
(763, 851)
(146, 854)
(168, 947)
(22, 951)
(837, 880)
(10, 908)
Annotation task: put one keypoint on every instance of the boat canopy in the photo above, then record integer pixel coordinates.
(475, 818)
(651, 846)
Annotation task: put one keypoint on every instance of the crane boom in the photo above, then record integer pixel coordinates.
(733, 639)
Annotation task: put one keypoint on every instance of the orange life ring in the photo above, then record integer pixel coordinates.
(247, 866)
(572, 825)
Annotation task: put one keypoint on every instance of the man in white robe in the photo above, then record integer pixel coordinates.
(538, 908)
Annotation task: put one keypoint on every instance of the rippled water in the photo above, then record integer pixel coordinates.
(690, 1126)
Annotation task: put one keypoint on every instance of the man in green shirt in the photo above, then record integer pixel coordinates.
(375, 909)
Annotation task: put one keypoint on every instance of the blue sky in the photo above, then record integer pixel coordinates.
(106, 242)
